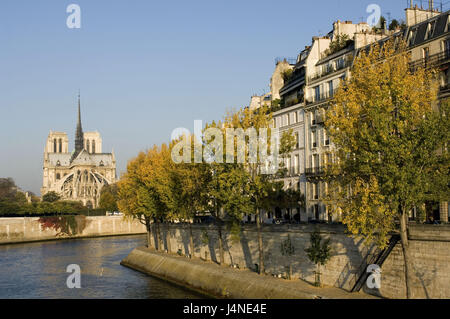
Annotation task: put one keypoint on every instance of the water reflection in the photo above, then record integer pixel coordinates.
(38, 270)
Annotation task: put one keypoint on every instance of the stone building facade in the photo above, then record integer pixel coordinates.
(316, 75)
(78, 175)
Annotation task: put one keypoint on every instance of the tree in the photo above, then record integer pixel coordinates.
(394, 25)
(133, 198)
(289, 199)
(390, 145)
(319, 252)
(188, 189)
(259, 184)
(381, 23)
(51, 197)
(8, 189)
(339, 43)
(108, 198)
(287, 250)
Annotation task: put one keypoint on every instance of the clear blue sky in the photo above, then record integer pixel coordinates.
(143, 67)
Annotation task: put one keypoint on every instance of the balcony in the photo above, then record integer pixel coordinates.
(320, 170)
(295, 80)
(431, 61)
(321, 97)
(330, 69)
(291, 172)
(320, 119)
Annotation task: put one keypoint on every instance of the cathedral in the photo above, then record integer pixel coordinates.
(81, 174)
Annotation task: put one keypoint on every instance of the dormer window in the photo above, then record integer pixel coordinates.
(430, 30)
(412, 36)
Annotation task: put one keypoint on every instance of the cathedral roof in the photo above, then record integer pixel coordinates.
(83, 158)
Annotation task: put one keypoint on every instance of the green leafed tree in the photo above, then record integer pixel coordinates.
(319, 252)
(51, 197)
(391, 136)
(108, 198)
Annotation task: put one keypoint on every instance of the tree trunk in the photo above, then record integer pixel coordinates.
(160, 240)
(260, 243)
(318, 280)
(148, 226)
(191, 241)
(169, 248)
(156, 235)
(406, 252)
(221, 252)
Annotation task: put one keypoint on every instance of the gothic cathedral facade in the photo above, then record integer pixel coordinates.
(81, 174)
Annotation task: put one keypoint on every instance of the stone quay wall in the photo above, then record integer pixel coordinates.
(430, 246)
(28, 229)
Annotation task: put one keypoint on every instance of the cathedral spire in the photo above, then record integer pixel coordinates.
(79, 139)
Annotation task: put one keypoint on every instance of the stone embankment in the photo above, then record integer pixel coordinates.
(226, 282)
(430, 255)
(29, 229)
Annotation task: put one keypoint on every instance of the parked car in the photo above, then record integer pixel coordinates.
(204, 219)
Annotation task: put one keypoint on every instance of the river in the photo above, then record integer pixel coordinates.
(38, 270)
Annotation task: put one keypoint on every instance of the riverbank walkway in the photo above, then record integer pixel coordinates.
(175, 268)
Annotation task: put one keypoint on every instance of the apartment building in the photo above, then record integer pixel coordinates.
(319, 71)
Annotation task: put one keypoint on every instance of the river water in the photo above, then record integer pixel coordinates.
(38, 270)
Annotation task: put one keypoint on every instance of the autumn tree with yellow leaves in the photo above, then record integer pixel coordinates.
(390, 135)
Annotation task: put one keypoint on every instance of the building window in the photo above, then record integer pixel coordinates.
(54, 145)
(446, 47)
(60, 145)
(314, 139)
(313, 118)
(315, 192)
(412, 37)
(300, 116)
(317, 93)
(331, 89)
(430, 30)
(58, 176)
(297, 140)
(426, 53)
(314, 161)
(87, 146)
(294, 116)
(326, 139)
(93, 146)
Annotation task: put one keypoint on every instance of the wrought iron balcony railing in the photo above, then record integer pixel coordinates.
(330, 69)
(315, 170)
(322, 96)
(431, 61)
